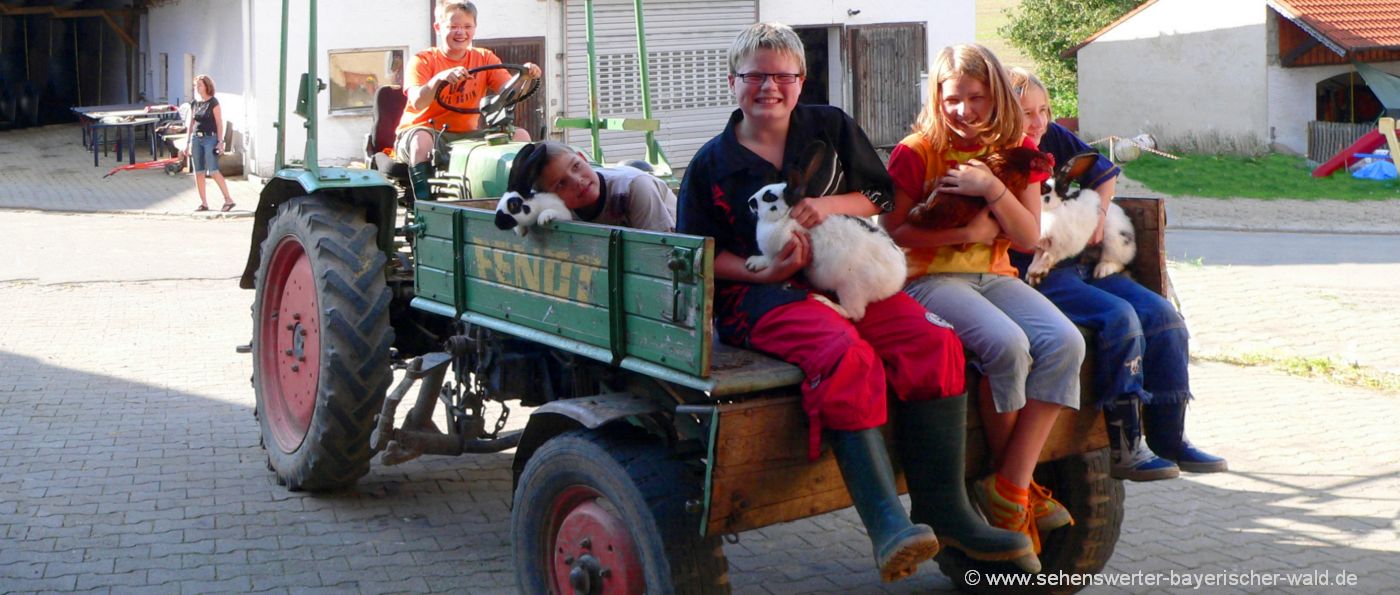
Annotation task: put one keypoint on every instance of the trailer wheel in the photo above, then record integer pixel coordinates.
(1081, 482)
(321, 340)
(604, 514)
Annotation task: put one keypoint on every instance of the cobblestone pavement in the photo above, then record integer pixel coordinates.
(129, 457)
(47, 168)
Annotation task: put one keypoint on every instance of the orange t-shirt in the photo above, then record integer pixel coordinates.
(912, 162)
(429, 62)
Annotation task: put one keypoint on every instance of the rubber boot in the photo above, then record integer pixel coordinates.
(931, 438)
(1166, 436)
(1131, 459)
(899, 545)
(418, 178)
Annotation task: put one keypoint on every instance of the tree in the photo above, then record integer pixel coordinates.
(1045, 28)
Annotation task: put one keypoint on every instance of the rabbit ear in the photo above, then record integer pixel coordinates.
(814, 178)
(525, 168)
(1071, 170)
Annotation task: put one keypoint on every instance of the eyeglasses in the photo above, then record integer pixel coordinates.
(757, 78)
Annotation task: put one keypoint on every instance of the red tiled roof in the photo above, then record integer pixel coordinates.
(1353, 25)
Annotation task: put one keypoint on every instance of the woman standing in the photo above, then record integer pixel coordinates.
(206, 127)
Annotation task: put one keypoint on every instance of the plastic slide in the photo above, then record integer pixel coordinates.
(1368, 142)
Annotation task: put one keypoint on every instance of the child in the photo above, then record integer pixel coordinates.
(446, 64)
(847, 365)
(1142, 340)
(1027, 349)
(622, 196)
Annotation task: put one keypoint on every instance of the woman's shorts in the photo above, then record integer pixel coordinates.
(202, 151)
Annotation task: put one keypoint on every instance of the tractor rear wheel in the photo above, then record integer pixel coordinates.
(321, 341)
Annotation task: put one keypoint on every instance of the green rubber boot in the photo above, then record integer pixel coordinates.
(899, 545)
(418, 178)
(931, 438)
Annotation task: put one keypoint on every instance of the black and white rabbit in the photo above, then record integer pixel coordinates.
(851, 256)
(1067, 220)
(519, 212)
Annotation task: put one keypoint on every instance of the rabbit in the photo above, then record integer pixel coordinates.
(1067, 220)
(519, 211)
(851, 256)
(945, 210)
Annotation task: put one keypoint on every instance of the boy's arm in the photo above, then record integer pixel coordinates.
(423, 82)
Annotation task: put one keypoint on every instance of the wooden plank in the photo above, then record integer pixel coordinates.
(761, 475)
(1149, 217)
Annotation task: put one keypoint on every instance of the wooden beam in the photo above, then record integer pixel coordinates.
(25, 10)
(124, 34)
(1294, 54)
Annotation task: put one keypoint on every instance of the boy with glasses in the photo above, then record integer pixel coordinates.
(446, 64)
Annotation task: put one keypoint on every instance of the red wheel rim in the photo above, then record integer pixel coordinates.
(290, 344)
(591, 549)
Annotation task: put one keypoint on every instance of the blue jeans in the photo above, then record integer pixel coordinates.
(1141, 348)
(202, 152)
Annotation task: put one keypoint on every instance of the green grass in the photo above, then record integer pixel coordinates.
(990, 16)
(1349, 374)
(1268, 177)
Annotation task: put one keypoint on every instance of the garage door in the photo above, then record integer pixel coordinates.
(687, 43)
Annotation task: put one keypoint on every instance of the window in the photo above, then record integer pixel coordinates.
(357, 74)
(164, 77)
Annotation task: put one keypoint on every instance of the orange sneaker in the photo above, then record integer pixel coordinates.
(1003, 512)
(1049, 513)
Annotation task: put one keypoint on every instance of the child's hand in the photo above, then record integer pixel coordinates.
(983, 229)
(973, 178)
(810, 212)
(795, 255)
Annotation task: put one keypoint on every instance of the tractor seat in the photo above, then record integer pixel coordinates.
(389, 102)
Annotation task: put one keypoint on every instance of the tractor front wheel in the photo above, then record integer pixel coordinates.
(321, 340)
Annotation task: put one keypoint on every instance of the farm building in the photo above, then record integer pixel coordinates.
(1240, 73)
(868, 57)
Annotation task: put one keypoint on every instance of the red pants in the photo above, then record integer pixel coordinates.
(847, 365)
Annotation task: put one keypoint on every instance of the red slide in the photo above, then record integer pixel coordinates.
(1367, 143)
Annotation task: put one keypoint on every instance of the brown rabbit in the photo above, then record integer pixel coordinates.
(945, 210)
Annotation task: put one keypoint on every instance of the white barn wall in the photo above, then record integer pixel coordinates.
(1293, 100)
(1194, 75)
(236, 42)
(949, 21)
(188, 27)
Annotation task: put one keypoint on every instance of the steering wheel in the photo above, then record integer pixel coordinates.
(493, 105)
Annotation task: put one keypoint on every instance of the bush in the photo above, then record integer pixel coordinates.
(1045, 28)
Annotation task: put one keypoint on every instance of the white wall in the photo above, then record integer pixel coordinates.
(211, 30)
(1179, 68)
(352, 24)
(948, 21)
(1293, 100)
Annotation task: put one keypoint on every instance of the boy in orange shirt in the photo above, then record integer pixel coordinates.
(446, 64)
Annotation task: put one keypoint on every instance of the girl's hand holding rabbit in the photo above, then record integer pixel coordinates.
(973, 178)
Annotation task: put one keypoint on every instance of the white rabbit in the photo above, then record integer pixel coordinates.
(520, 212)
(851, 256)
(1067, 220)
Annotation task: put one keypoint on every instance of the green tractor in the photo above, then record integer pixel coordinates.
(647, 441)
(332, 265)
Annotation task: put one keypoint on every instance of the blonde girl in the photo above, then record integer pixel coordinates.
(1029, 352)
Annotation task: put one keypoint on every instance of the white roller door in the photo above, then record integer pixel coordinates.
(688, 44)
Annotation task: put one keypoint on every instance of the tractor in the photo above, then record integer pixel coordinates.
(647, 441)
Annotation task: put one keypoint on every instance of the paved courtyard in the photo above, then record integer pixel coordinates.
(129, 458)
